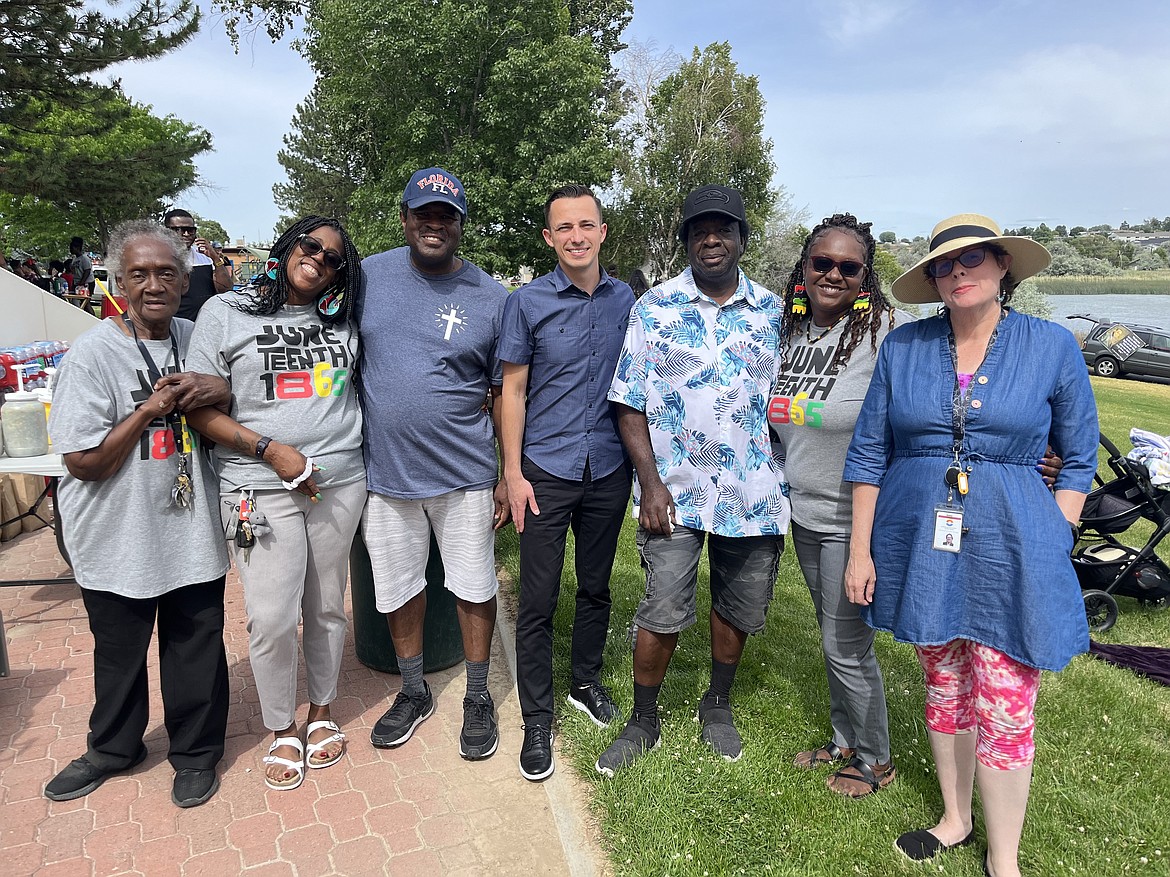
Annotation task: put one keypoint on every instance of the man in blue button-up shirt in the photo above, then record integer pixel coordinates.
(563, 460)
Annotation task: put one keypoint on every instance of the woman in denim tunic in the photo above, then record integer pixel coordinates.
(960, 407)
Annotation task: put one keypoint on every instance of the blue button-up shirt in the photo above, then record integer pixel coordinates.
(570, 341)
(702, 373)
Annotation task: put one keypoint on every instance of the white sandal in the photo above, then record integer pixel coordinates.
(298, 766)
(313, 748)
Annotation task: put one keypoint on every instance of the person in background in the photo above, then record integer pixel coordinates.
(637, 283)
(959, 408)
(140, 525)
(563, 461)
(81, 268)
(290, 450)
(210, 274)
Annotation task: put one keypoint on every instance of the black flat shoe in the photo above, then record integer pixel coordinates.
(921, 845)
(81, 776)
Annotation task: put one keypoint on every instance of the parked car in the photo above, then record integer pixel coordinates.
(1115, 349)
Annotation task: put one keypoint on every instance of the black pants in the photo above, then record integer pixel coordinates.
(595, 510)
(192, 667)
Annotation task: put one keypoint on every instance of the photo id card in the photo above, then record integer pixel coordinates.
(948, 528)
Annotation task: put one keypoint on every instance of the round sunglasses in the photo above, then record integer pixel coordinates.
(310, 246)
(848, 268)
(970, 259)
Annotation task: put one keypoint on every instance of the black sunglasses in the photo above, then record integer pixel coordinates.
(182, 229)
(310, 246)
(970, 259)
(848, 268)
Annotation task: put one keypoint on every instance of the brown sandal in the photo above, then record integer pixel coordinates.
(827, 754)
(867, 779)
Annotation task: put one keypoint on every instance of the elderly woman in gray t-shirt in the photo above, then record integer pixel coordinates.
(138, 519)
(292, 481)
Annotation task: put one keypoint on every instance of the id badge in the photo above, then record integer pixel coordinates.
(948, 528)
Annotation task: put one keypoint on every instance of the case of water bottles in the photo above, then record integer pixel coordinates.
(26, 374)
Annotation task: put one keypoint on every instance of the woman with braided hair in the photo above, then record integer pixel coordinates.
(291, 477)
(836, 317)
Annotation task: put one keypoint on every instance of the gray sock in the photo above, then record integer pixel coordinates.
(477, 673)
(412, 674)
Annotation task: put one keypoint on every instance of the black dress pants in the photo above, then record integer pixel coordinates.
(192, 667)
(595, 510)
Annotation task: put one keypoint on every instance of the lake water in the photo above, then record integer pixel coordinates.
(1148, 310)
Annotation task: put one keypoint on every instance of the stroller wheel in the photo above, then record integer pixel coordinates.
(1100, 609)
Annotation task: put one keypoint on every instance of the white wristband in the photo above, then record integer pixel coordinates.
(300, 479)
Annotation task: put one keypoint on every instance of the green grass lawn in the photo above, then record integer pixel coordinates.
(1102, 779)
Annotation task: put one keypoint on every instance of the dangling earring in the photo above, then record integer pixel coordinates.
(271, 267)
(861, 303)
(330, 303)
(799, 300)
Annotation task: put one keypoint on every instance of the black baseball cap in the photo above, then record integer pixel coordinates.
(713, 199)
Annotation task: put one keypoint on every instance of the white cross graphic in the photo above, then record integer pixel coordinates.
(452, 319)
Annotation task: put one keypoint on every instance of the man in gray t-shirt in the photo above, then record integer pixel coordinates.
(430, 322)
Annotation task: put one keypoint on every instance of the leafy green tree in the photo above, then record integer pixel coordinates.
(1042, 234)
(210, 229)
(39, 228)
(1077, 230)
(122, 169)
(887, 237)
(887, 267)
(50, 50)
(776, 251)
(1061, 231)
(515, 106)
(1028, 299)
(703, 124)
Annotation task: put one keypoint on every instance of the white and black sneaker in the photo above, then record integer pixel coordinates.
(480, 735)
(593, 699)
(398, 723)
(536, 754)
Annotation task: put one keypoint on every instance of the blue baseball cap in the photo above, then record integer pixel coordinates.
(435, 184)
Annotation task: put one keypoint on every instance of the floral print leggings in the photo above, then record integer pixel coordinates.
(970, 686)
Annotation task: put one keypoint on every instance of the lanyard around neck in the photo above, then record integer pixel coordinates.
(960, 398)
(152, 368)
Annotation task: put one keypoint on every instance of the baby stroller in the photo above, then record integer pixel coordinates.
(1105, 567)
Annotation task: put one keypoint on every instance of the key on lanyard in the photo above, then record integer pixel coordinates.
(955, 477)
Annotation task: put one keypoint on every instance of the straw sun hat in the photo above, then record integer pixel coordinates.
(959, 232)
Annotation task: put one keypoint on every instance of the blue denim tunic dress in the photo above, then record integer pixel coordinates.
(1012, 585)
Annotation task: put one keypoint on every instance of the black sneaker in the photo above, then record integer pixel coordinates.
(719, 727)
(80, 777)
(536, 755)
(480, 735)
(642, 734)
(399, 722)
(593, 699)
(194, 786)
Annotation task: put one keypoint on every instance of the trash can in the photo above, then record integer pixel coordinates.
(442, 641)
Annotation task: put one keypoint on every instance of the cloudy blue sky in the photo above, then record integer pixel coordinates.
(901, 111)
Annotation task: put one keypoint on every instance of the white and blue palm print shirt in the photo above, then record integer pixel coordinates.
(702, 374)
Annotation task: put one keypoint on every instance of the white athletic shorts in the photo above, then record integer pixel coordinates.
(397, 533)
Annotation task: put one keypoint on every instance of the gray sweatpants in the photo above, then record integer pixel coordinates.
(857, 699)
(298, 570)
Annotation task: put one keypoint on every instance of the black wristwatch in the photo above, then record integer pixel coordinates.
(262, 446)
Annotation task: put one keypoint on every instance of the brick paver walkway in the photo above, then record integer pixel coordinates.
(417, 810)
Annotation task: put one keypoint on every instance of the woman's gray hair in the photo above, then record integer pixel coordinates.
(125, 232)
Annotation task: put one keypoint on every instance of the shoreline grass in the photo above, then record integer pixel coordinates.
(1129, 283)
(1101, 785)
